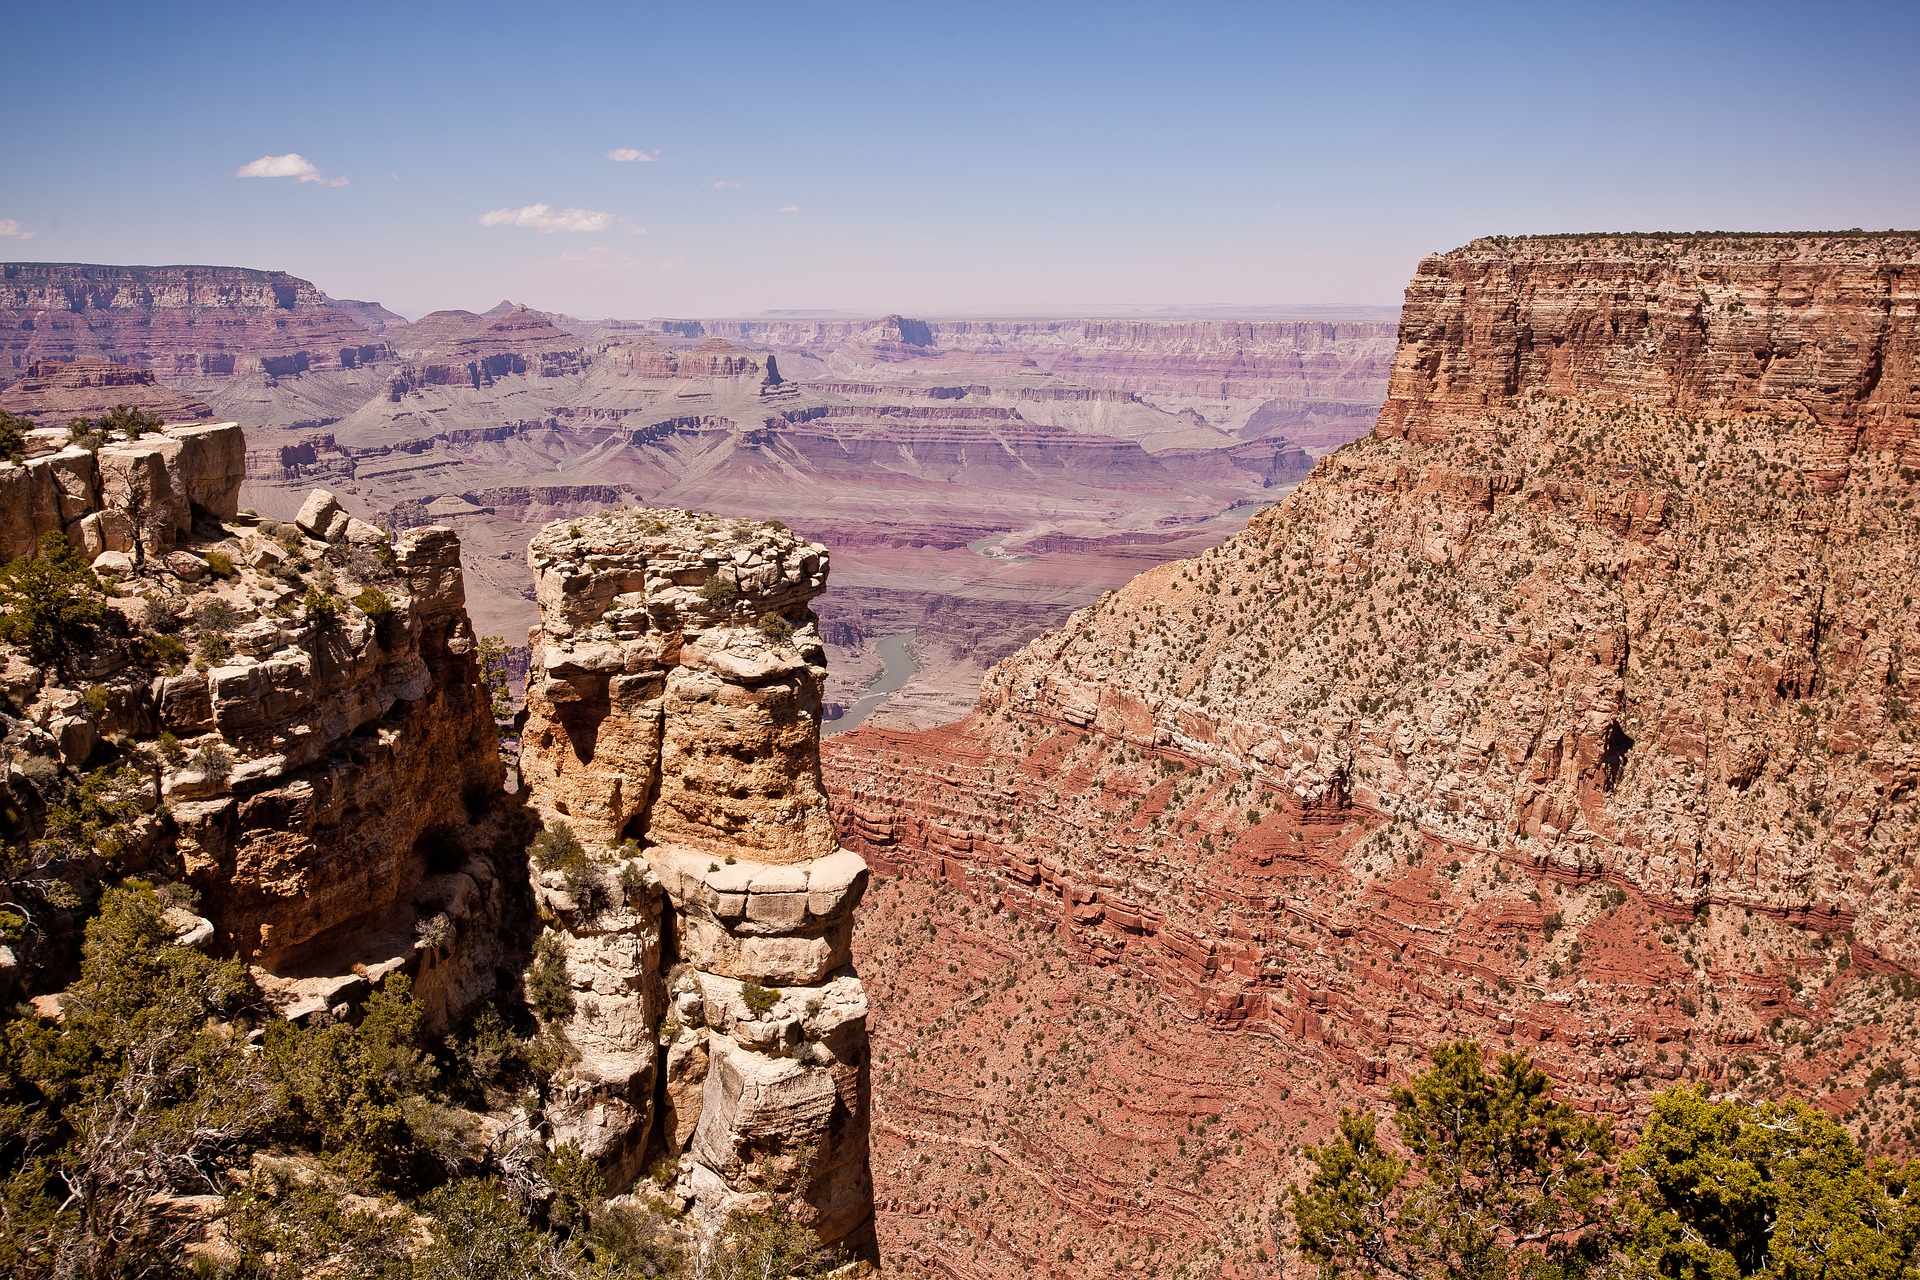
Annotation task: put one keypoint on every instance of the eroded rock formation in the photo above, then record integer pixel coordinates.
(1568, 710)
(294, 715)
(672, 721)
(177, 321)
(52, 391)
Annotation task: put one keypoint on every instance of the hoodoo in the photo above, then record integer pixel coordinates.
(672, 727)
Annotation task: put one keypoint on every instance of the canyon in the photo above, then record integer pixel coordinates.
(1568, 710)
(977, 479)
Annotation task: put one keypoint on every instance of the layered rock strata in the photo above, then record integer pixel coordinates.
(672, 722)
(52, 391)
(294, 714)
(178, 321)
(1568, 710)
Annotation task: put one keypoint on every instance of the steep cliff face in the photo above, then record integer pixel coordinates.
(187, 322)
(1569, 710)
(1816, 329)
(288, 719)
(673, 713)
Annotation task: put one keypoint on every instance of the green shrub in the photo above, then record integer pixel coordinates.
(584, 886)
(216, 615)
(13, 436)
(494, 652)
(375, 603)
(164, 651)
(758, 999)
(133, 422)
(220, 564)
(211, 648)
(477, 1233)
(489, 1055)
(548, 990)
(319, 606)
(578, 1186)
(775, 627)
(83, 432)
(142, 1074)
(770, 1243)
(633, 877)
(289, 1229)
(50, 602)
(719, 591)
(555, 846)
(557, 849)
(345, 1086)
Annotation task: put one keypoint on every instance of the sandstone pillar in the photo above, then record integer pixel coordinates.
(673, 722)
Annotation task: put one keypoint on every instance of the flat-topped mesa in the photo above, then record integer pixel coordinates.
(673, 720)
(676, 689)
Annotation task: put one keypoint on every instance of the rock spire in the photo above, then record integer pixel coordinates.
(673, 723)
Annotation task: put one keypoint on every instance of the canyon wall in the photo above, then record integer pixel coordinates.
(672, 724)
(182, 322)
(1568, 710)
(54, 391)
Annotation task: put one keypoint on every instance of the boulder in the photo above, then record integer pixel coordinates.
(362, 534)
(137, 478)
(212, 464)
(186, 566)
(320, 513)
(113, 564)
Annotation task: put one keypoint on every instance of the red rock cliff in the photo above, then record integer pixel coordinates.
(185, 322)
(1569, 710)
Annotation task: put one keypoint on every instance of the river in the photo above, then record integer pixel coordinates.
(897, 667)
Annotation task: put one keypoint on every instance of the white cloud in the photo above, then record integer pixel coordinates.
(724, 185)
(545, 218)
(626, 154)
(9, 229)
(789, 208)
(290, 165)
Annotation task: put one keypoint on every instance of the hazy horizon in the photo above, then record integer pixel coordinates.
(981, 160)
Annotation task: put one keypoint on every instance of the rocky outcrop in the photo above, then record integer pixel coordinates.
(672, 722)
(137, 496)
(1567, 710)
(52, 391)
(360, 819)
(294, 715)
(188, 322)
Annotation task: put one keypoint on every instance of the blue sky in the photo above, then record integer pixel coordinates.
(932, 158)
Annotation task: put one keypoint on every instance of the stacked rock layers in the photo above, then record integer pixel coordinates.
(673, 714)
(131, 496)
(326, 772)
